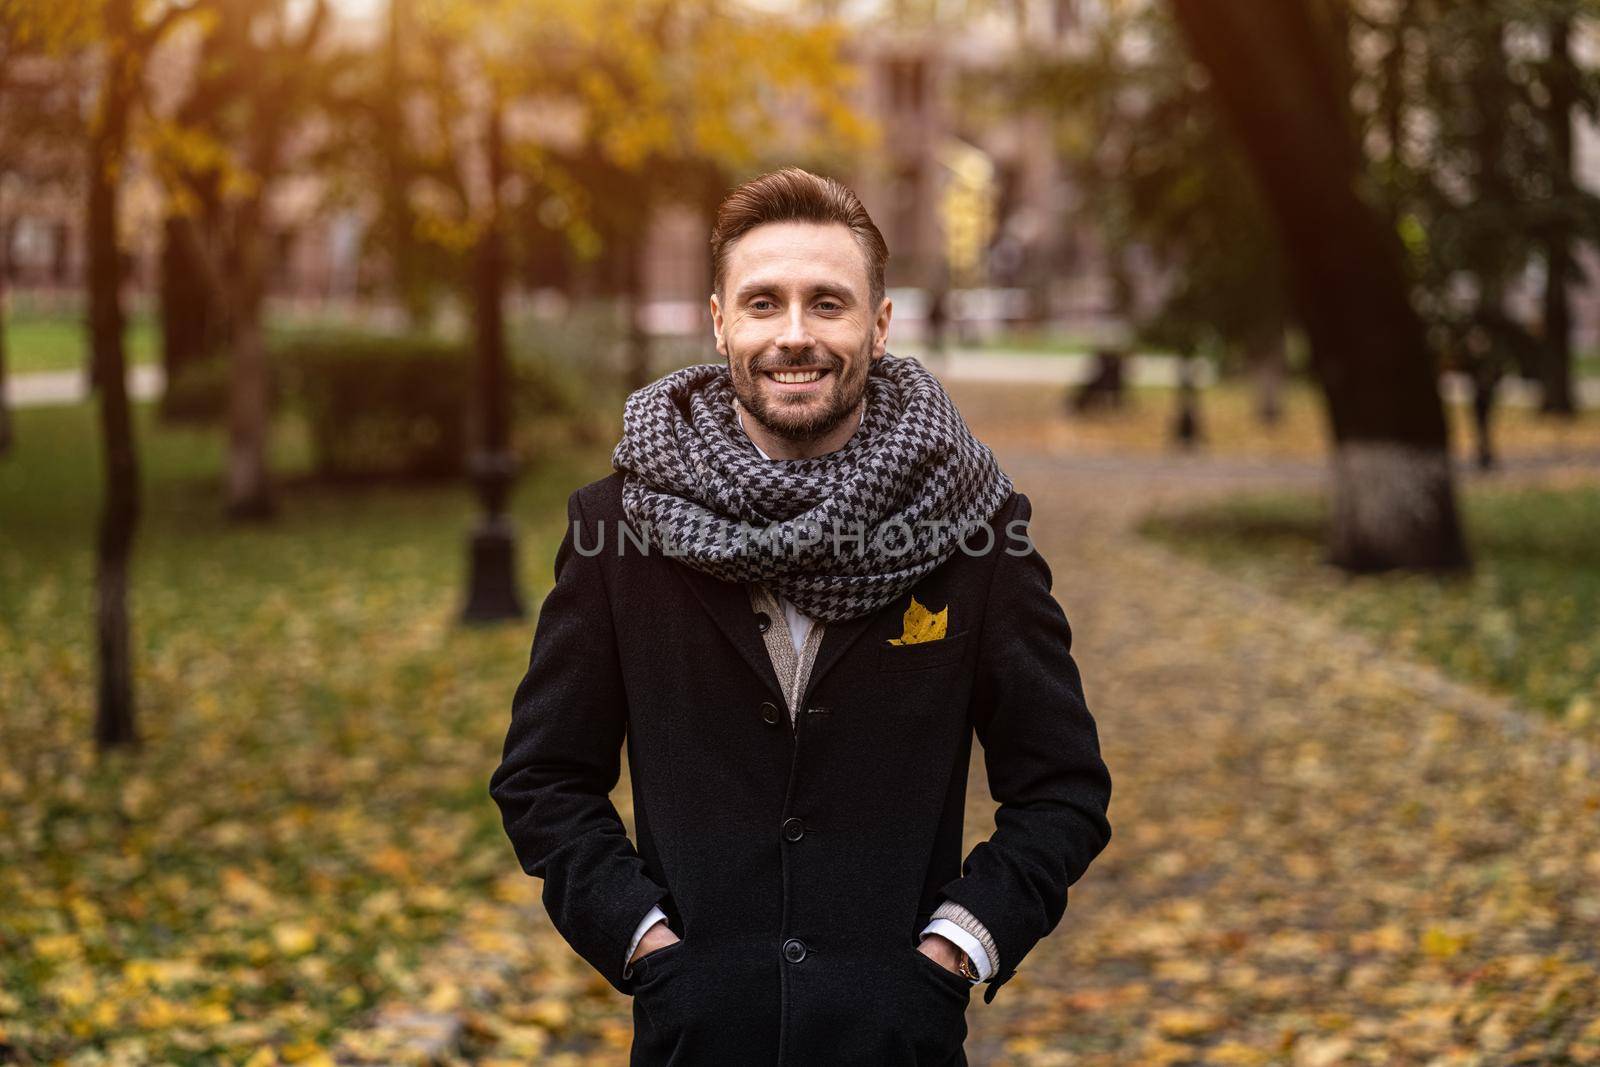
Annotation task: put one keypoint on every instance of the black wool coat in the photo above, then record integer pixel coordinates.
(798, 864)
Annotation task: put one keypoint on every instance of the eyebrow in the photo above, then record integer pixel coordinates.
(749, 289)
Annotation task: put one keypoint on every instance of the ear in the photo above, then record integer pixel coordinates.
(880, 328)
(716, 326)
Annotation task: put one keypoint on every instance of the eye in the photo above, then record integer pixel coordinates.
(755, 305)
(829, 305)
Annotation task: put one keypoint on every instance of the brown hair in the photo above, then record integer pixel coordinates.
(795, 195)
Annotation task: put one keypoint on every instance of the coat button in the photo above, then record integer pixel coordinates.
(794, 829)
(794, 950)
(769, 713)
(763, 621)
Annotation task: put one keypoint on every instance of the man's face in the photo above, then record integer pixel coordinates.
(798, 305)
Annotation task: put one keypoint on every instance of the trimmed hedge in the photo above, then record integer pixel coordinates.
(379, 405)
(400, 406)
(383, 405)
(199, 394)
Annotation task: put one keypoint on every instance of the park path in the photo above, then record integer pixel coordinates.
(1321, 853)
(57, 387)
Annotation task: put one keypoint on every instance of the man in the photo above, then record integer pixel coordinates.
(803, 589)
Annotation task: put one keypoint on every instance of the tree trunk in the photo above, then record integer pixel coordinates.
(1276, 77)
(1556, 365)
(7, 435)
(250, 494)
(1387, 499)
(249, 489)
(1268, 357)
(188, 314)
(410, 286)
(1484, 384)
(1490, 91)
(1392, 104)
(114, 720)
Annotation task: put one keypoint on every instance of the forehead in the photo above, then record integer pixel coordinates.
(797, 253)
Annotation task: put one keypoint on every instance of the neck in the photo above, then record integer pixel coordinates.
(779, 447)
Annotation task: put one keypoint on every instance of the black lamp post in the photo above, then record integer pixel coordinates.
(492, 594)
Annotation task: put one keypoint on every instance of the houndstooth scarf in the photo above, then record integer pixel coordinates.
(840, 535)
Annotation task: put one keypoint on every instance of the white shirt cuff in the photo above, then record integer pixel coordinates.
(966, 942)
(653, 916)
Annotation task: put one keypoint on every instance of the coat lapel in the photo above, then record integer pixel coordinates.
(728, 603)
(837, 637)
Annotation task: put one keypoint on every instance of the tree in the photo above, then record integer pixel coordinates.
(1163, 178)
(41, 131)
(121, 35)
(1469, 123)
(1465, 199)
(8, 51)
(7, 434)
(191, 319)
(601, 111)
(1279, 72)
(262, 73)
(1567, 88)
(122, 44)
(617, 108)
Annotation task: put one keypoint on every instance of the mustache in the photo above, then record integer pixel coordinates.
(818, 360)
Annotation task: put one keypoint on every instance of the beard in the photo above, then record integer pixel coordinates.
(806, 421)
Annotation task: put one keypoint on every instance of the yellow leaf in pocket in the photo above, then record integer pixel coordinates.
(921, 625)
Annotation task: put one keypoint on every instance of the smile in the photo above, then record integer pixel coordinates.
(795, 377)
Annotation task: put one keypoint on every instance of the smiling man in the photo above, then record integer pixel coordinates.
(802, 591)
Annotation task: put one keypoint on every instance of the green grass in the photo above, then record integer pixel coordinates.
(56, 341)
(309, 810)
(1524, 623)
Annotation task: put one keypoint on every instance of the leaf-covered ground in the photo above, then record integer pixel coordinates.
(1323, 852)
(1524, 622)
(310, 808)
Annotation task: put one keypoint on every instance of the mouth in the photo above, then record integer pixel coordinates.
(796, 379)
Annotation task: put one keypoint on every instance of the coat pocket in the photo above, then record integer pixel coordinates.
(959, 983)
(653, 986)
(654, 957)
(924, 654)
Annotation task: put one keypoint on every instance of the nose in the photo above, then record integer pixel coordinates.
(794, 337)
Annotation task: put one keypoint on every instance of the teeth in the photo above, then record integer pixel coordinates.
(795, 377)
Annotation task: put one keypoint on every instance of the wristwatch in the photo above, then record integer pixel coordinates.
(965, 966)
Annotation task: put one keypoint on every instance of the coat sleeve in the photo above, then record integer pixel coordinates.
(1042, 754)
(562, 759)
